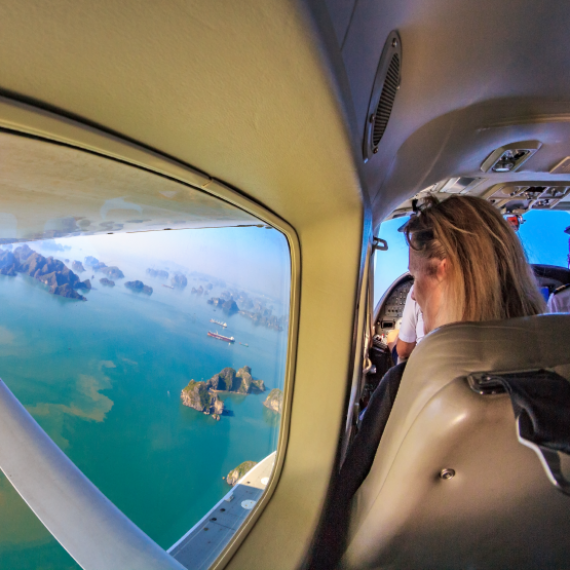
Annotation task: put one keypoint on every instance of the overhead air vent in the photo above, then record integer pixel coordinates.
(386, 85)
(510, 157)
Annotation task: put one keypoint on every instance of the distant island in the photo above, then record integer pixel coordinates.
(139, 287)
(93, 262)
(274, 400)
(106, 282)
(178, 281)
(157, 273)
(77, 266)
(269, 321)
(236, 474)
(49, 271)
(202, 396)
(236, 301)
(240, 382)
(112, 272)
(229, 306)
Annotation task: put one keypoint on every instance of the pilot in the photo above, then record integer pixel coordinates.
(411, 329)
(559, 300)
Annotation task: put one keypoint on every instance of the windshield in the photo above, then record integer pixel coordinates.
(542, 235)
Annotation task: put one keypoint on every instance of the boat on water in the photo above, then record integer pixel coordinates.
(167, 286)
(225, 325)
(244, 344)
(229, 339)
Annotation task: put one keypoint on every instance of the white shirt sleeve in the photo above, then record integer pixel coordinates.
(551, 305)
(559, 302)
(420, 323)
(409, 320)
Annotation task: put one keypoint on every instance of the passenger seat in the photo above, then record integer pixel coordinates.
(451, 486)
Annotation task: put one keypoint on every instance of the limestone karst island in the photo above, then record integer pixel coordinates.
(139, 287)
(112, 272)
(236, 474)
(202, 396)
(51, 272)
(274, 400)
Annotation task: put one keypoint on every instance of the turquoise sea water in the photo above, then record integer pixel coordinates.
(103, 378)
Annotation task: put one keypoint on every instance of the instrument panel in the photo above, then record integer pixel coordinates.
(392, 306)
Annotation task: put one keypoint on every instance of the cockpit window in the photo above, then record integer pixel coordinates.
(390, 264)
(154, 359)
(542, 235)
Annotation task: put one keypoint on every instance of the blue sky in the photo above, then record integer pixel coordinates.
(542, 235)
(256, 259)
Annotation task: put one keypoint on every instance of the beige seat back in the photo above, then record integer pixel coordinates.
(499, 510)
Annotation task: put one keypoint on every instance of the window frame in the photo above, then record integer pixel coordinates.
(22, 119)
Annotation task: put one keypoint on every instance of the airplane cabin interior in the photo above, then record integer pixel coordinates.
(307, 127)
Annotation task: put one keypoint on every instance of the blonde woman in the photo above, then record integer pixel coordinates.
(468, 265)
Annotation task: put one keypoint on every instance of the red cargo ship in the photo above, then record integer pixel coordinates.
(229, 339)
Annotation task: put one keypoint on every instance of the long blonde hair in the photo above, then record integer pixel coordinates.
(489, 276)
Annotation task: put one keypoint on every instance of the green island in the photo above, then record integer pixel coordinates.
(240, 382)
(202, 396)
(274, 401)
(236, 474)
(198, 396)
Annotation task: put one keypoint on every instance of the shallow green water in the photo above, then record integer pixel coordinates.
(103, 378)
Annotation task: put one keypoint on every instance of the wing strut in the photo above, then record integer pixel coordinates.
(89, 526)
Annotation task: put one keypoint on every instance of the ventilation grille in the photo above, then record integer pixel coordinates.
(386, 100)
(386, 84)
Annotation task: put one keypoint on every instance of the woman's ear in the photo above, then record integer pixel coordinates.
(442, 270)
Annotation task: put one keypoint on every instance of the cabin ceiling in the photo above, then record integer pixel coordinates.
(474, 76)
(235, 89)
(272, 97)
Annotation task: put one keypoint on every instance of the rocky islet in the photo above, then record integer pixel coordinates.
(236, 474)
(139, 287)
(202, 396)
(274, 401)
(55, 274)
(198, 396)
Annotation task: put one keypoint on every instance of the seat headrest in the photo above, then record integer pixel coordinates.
(527, 343)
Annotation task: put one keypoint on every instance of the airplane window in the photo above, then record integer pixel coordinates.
(155, 360)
